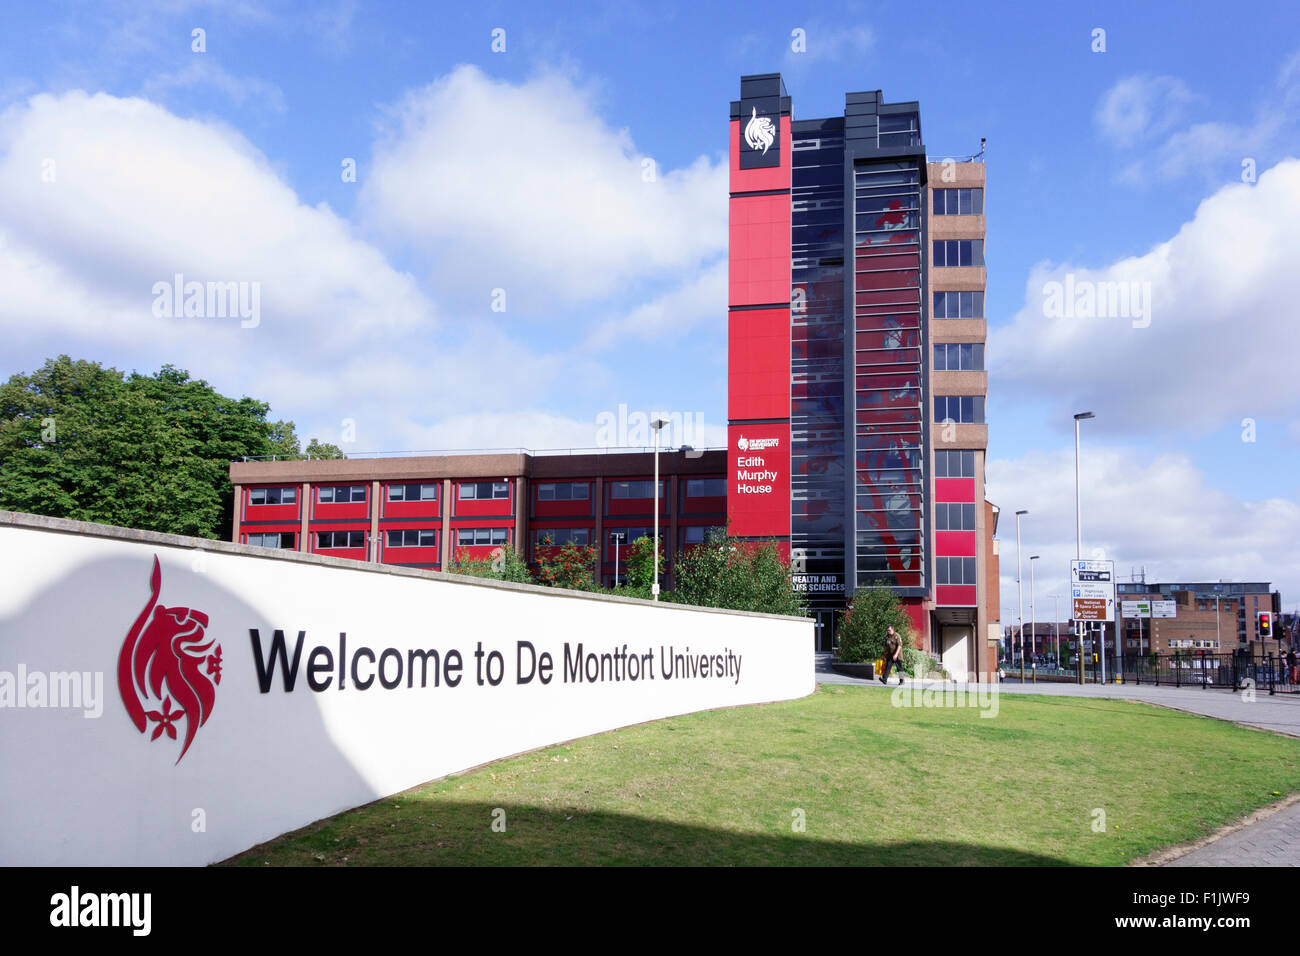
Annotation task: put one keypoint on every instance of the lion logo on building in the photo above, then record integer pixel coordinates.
(759, 132)
(167, 659)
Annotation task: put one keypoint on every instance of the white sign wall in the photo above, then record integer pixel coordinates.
(160, 719)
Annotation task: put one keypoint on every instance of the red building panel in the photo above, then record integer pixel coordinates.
(758, 363)
(758, 491)
(954, 544)
(954, 489)
(955, 595)
(759, 250)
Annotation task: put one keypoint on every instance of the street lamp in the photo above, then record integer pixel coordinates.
(657, 425)
(1033, 616)
(1020, 597)
(1078, 539)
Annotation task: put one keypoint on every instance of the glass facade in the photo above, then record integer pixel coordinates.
(817, 489)
(889, 424)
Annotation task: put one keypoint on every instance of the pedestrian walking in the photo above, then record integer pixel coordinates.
(893, 653)
(1291, 663)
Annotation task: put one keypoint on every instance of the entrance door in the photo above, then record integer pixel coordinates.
(956, 651)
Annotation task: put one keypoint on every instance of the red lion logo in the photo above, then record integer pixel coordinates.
(166, 646)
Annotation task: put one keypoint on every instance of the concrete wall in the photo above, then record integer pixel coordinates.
(93, 775)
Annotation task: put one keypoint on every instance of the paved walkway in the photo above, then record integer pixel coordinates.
(1280, 713)
(1273, 840)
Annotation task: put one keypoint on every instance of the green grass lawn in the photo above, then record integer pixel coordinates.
(876, 784)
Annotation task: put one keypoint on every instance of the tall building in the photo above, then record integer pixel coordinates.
(856, 382)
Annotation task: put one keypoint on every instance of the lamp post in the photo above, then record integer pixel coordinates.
(1033, 616)
(1078, 538)
(1020, 597)
(1056, 627)
(657, 425)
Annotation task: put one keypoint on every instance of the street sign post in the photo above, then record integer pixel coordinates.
(1092, 595)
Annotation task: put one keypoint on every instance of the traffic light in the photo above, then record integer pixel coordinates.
(1265, 625)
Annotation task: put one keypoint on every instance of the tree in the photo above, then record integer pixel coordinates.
(641, 567)
(81, 441)
(320, 449)
(503, 564)
(743, 576)
(863, 625)
(572, 566)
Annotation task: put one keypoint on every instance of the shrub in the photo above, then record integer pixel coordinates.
(743, 576)
(863, 624)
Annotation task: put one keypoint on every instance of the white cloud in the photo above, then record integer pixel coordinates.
(1151, 113)
(1222, 312)
(139, 195)
(1142, 512)
(202, 71)
(524, 187)
(1140, 107)
(701, 298)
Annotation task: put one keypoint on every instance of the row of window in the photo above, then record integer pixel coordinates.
(954, 464)
(483, 490)
(954, 571)
(486, 490)
(958, 252)
(963, 409)
(273, 496)
(473, 536)
(950, 516)
(413, 492)
(958, 305)
(959, 202)
(633, 489)
(412, 538)
(564, 491)
(274, 539)
(428, 537)
(966, 357)
(339, 494)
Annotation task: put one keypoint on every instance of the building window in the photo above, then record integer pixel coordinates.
(963, 409)
(564, 491)
(898, 129)
(959, 305)
(698, 534)
(633, 489)
(949, 516)
(473, 536)
(959, 358)
(408, 538)
(706, 487)
(959, 202)
(427, 492)
(340, 539)
(274, 539)
(338, 494)
(559, 537)
(958, 252)
(273, 496)
(625, 536)
(954, 571)
(484, 490)
(954, 464)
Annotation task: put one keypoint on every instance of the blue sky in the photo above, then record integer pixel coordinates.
(523, 171)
